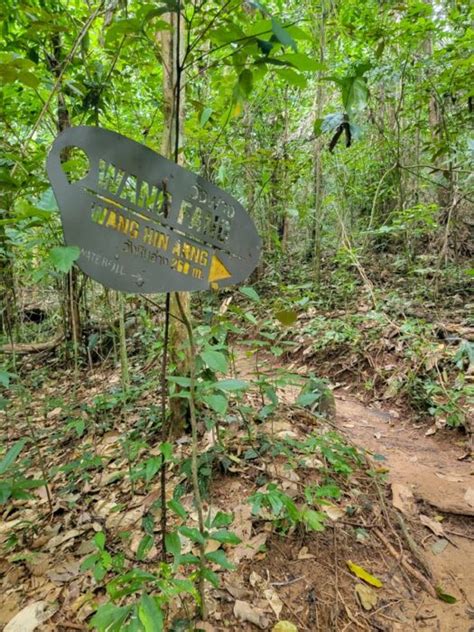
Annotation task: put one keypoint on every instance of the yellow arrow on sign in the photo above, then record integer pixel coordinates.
(218, 270)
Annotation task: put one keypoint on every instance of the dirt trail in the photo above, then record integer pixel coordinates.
(442, 488)
(430, 469)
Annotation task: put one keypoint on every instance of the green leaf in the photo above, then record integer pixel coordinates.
(286, 316)
(250, 293)
(225, 537)
(109, 617)
(173, 543)
(215, 360)
(144, 547)
(62, 257)
(178, 508)
(246, 81)
(221, 519)
(181, 381)
(217, 402)
(5, 378)
(211, 577)
(193, 534)
(205, 116)
(292, 77)
(282, 34)
(444, 596)
(231, 385)
(354, 94)
(28, 79)
(301, 61)
(89, 562)
(219, 557)
(166, 450)
(307, 399)
(313, 519)
(11, 456)
(99, 540)
(150, 614)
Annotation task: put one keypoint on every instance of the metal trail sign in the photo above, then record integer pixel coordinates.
(143, 223)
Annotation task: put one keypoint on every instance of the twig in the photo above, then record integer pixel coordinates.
(194, 458)
(408, 567)
(289, 582)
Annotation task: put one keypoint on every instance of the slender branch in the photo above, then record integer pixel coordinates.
(57, 83)
(194, 458)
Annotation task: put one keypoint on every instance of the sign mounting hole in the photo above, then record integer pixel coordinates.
(75, 163)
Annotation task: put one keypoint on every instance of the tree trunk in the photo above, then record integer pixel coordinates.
(316, 237)
(8, 312)
(172, 51)
(71, 300)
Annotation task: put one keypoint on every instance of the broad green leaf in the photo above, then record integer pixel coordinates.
(211, 577)
(99, 540)
(144, 547)
(90, 562)
(205, 116)
(219, 557)
(216, 402)
(150, 614)
(250, 293)
(166, 450)
(11, 456)
(286, 316)
(63, 257)
(313, 519)
(222, 519)
(282, 34)
(225, 537)
(361, 573)
(354, 94)
(178, 508)
(181, 381)
(231, 385)
(173, 543)
(301, 61)
(215, 360)
(193, 534)
(109, 617)
(259, 28)
(307, 399)
(246, 81)
(444, 596)
(292, 77)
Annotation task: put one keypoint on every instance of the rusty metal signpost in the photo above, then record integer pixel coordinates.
(146, 225)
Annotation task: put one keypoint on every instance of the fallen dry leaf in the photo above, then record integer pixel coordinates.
(284, 626)
(333, 512)
(367, 596)
(38, 564)
(432, 525)
(256, 580)
(403, 499)
(31, 617)
(235, 588)
(59, 539)
(304, 555)
(248, 550)
(439, 546)
(363, 574)
(64, 571)
(469, 496)
(274, 600)
(10, 606)
(244, 611)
